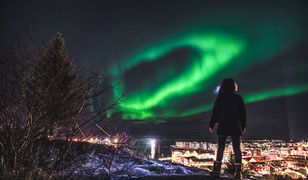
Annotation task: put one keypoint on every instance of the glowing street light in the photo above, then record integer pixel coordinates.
(107, 140)
(152, 143)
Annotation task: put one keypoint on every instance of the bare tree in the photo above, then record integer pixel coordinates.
(44, 94)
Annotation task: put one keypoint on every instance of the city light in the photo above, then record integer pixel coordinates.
(152, 143)
(115, 140)
(263, 157)
(107, 140)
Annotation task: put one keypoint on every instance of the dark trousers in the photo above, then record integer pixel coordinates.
(236, 142)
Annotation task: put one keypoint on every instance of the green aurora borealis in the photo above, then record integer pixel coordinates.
(217, 51)
(174, 73)
(168, 57)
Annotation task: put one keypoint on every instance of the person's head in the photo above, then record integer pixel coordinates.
(228, 86)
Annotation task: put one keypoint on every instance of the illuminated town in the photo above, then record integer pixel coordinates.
(262, 158)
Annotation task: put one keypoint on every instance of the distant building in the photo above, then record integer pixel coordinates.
(192, 154)
(296, 162)
(264, 158)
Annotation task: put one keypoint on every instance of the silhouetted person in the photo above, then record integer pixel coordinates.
(230, 116)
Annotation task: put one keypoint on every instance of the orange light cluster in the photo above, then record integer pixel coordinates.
(93, 140)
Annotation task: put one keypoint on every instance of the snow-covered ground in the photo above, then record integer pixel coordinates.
(90, 160)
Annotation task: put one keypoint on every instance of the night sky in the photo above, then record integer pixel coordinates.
(168, 57)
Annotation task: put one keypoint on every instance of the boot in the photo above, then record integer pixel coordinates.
(216, 168)
(238, 171)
